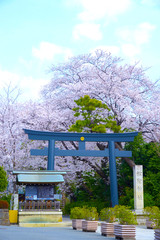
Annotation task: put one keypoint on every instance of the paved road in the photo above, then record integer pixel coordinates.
(61, 233)
(20, 233)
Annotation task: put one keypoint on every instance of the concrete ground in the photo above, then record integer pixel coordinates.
(62, 232)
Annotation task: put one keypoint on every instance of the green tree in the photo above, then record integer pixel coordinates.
(95, 116)
(146, 154)
(91, 187)
(3, 180)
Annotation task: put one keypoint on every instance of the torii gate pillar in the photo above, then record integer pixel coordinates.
(113, 173)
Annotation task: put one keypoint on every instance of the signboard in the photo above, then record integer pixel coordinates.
(45, 192)
(37, 192)
(138, 187)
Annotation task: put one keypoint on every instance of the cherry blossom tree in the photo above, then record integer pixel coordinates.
(125, 88)
(132, 97)
(14, 144)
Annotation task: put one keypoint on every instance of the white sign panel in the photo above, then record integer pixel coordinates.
(138, 187)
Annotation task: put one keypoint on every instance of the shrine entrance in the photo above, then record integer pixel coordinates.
(82, 138)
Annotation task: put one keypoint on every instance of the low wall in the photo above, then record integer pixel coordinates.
(39, 218)
(4, 217)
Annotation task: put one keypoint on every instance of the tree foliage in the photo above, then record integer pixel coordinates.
(91, 187)
(3, 179)
(144, 153)
(94, 116)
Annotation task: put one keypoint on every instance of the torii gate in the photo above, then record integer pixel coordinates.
(82, 138)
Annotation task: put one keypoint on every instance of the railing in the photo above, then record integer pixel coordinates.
(32, 205)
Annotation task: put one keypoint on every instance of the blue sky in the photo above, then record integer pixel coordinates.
(37, 33)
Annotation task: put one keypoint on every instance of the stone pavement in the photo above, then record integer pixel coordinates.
(62, 231)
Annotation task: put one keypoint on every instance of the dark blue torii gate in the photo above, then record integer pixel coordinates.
(81, 138)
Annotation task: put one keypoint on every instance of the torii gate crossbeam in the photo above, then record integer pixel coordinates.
(82, 138)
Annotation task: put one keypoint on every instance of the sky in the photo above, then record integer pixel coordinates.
(35, 34)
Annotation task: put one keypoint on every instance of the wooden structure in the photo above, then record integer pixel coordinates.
(39, 207)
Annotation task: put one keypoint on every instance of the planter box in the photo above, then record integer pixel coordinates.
(77, 223)
(4, 217)
(89, 226)
(149, 224)
(156, 234)
(107, 229)
(126, 232)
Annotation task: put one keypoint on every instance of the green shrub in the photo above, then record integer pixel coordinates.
(149, 211)
(90, 213)
(4, 204)
(77, 213)
(153, 213)
(125, 215)
(108, 215)
(97, 204)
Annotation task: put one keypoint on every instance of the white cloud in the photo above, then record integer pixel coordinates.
(130, 50)
(143, 33)
(29, 86)
(140, 35)
(98, 9)
(88, 30)
(7, 77)
(93, 10)
(132, 39)
(47, 51)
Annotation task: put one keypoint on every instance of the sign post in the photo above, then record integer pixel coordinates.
(138, 188)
